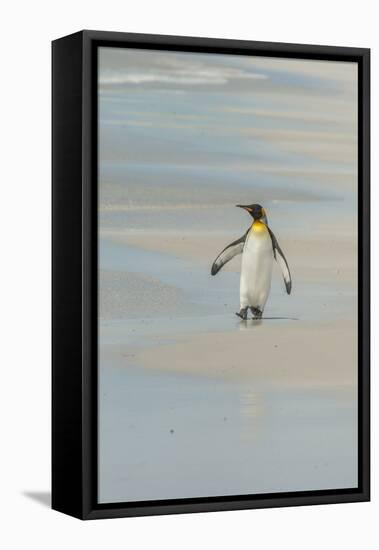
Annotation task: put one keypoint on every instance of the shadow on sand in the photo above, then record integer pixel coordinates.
(250, 323)
(268, 319)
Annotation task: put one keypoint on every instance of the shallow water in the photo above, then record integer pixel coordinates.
(173, 436)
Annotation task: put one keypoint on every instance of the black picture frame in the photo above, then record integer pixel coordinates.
(74, 295)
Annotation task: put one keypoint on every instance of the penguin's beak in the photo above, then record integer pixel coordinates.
(244, 207)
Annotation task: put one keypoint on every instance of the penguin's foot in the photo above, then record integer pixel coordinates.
(242, 313)
(257, 313)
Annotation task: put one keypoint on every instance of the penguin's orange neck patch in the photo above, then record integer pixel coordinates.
(258, 226)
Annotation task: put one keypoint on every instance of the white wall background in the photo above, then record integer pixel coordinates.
(27, 29)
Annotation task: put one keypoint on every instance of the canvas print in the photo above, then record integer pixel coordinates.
(227, 268)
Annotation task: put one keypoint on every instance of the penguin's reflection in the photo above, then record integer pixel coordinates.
(249, 324)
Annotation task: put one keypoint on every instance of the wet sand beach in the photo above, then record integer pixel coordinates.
(192, 401)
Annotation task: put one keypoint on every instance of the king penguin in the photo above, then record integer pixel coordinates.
(259, 247)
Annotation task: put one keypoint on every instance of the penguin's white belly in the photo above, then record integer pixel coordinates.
(256, 269)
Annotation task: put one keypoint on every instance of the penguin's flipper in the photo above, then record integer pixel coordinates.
(281, 260)
(234, 248)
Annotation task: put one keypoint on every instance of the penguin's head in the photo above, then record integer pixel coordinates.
(255, 210)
